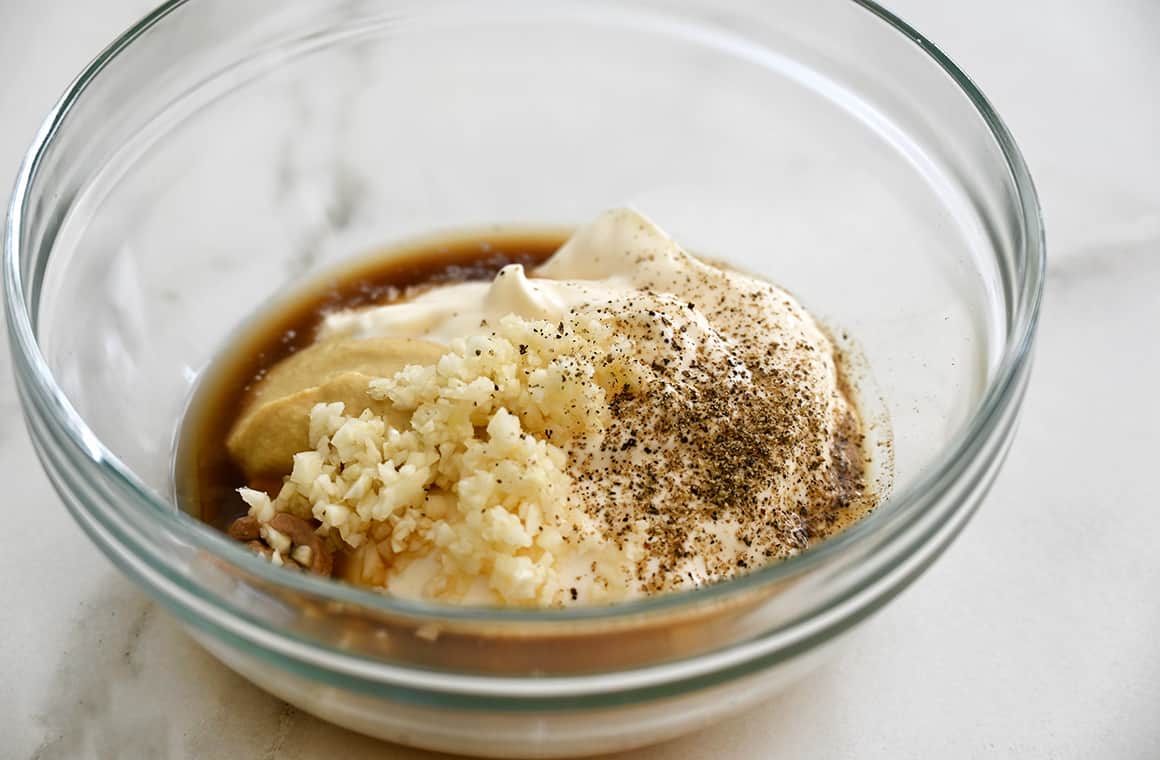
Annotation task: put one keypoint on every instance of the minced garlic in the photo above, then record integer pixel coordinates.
(479, 479)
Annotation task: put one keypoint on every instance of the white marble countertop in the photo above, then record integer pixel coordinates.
(1034, 636)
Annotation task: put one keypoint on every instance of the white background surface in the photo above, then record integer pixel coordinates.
(1037, 635)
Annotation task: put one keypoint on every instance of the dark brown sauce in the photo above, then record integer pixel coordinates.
(207, 477)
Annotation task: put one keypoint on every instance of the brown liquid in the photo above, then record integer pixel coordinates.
(207, 478)
(207, 481)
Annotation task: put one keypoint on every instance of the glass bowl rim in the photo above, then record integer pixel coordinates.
(946, 468)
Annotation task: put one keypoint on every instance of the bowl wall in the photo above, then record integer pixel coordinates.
(221, 152)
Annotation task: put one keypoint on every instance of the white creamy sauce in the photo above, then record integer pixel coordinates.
(623, 264)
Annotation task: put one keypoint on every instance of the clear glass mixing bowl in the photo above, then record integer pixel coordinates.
(220, 150)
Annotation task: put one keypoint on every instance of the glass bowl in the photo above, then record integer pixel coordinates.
(219, 151)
